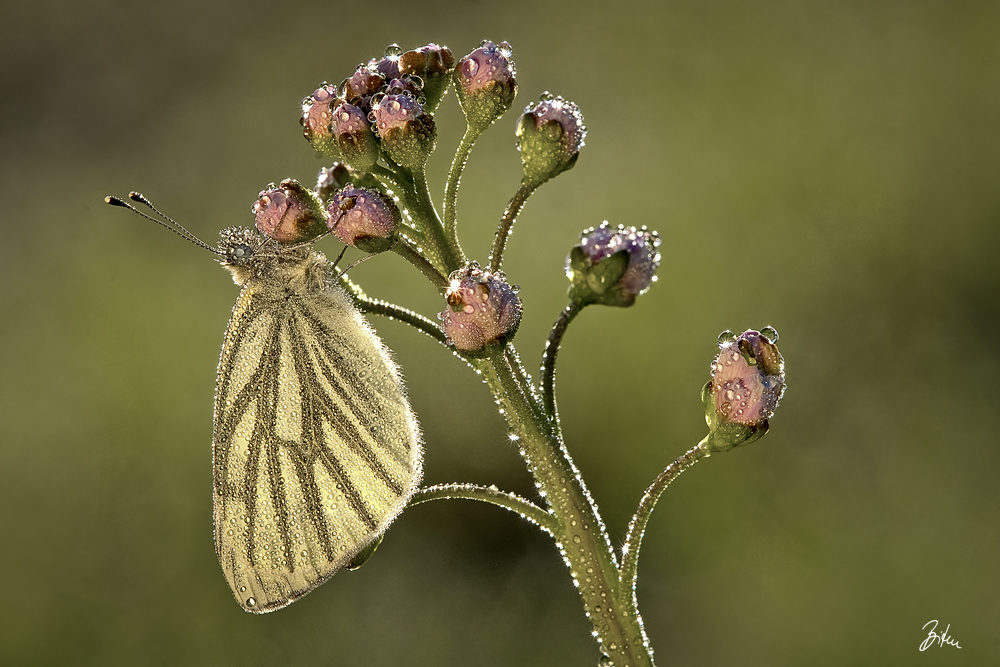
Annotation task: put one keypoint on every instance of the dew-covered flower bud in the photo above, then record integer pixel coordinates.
(404, 86)
(485, 84)
(483, 310)
(407, 131)
(354, 136)
(289, 213)
(362, 218)
(434, 65)
(748, 379)
(364, 83)
(613, 265)
(550, 134)
(316, 118)
(388, 66)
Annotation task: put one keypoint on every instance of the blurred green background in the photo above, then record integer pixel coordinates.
(828, 168)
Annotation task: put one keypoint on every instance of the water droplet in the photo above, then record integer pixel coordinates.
(726, 338)
(251, 602)
(393, 51)
(770, 333)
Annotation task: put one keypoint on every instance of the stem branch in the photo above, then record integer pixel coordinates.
(525, 508)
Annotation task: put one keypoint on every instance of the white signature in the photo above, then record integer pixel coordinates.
(941, 639)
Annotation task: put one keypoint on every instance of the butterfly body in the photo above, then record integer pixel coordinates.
(315, 448)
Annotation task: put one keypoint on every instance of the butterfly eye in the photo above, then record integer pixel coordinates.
(242, 252)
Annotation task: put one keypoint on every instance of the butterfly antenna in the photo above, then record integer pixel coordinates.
(352, 265)
(170, 223)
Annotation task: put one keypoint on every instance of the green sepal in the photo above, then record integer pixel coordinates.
(597, 283)
(359, 151)
(543, 153)
(313, 225)
(374, 244)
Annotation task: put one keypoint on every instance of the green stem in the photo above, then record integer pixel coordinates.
(414, 257)
(580, 535)
(637, 527)
(454, 180)
(378, 307)
(525, 508)
(507, 223)
(451, 255)
(547, 380)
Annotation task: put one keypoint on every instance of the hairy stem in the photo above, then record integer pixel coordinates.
(547, 380)
(525, 508)
(507, 223)
(405, 250)
(580, 535)
(378, 307)
(637, 527)
(454, 180)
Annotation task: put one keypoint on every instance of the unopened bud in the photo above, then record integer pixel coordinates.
(388, 66)
(362, 218)
(316, 118)
(486, 85)
(550, 134)
(483, 310)
(748, 379)
(434, 65)
(289, 213)
(613, 265)
(407, 131)
(364, 83)
(354, 136)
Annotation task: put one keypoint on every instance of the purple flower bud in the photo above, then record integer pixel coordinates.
(483, 310)
(364, 83)
(434, 65)
(748, 379)
(316, 118)
(289, 213)
(550, 134)
(486, 84)
(354, 136)
(612, 265)
(389, 65)
(404, 86)
(362, 218)
(407, 131)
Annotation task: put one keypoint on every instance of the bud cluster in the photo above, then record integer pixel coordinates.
(385, 105)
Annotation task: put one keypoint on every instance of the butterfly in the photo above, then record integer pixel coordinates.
(315, 448)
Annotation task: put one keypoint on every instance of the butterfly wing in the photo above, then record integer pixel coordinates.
(315, 447)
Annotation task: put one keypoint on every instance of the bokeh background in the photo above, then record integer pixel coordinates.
(828, 168)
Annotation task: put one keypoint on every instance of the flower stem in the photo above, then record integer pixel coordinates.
(507, 223)
(580, 534)
(547, 380)
(454, 180)
(637, 527)
(525, 508)
(378, 307)
(450, 255)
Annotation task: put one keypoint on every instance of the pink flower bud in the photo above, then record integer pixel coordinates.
(354, 136)
(289, 213)
(316, 118)
(362, 218)
(408, 133)
(486, 84)
(748, 380)
(364, 83)
(434, 65)
(483, 311)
